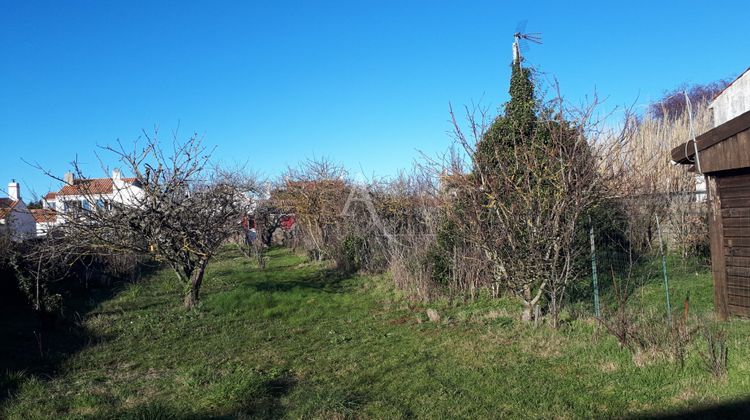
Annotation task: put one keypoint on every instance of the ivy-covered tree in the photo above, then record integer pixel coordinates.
(533, 175)
(515, 126)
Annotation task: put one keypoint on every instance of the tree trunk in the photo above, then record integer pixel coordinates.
(528, 306)
(196, 279)
(554, 310)
(528, 312)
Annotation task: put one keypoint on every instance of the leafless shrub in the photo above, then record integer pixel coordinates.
(409, 266)
(634, 330)
(315, 193)
(424, 257)
(715, 357)
(40, 265)
(682, 334)
(334, 218)
(648, 335)
(122, 265)
(419, 268)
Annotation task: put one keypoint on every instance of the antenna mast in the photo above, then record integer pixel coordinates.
(516, 48)
(520, 39)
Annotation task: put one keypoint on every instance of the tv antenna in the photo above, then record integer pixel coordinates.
(521, 40)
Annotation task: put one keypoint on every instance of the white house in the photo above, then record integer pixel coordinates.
(733, 101)
(15, 217)
(80, 193)
(45, 220)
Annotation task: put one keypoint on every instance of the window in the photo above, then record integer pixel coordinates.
(72, 206)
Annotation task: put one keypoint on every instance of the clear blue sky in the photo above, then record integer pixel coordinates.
(270, 83)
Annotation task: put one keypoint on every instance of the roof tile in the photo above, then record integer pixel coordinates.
(6, 206)
(44, 215)
(91, 186)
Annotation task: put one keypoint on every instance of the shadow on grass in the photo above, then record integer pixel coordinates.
(325, 281)
(267, 405)
(728, 410)
(261, 403)
(35, 343)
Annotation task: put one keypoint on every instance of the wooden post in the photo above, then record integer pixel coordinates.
(716, 237)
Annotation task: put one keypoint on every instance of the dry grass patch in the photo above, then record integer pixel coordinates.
(609, 367)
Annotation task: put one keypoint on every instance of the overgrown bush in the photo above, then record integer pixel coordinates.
(41, 266)
(350, 253)
(411, 269)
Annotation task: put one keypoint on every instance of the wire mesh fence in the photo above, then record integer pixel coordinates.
(650, 254)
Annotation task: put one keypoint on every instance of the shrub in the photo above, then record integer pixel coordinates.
(350, 253)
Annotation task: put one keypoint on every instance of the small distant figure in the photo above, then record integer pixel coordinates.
(250, 235)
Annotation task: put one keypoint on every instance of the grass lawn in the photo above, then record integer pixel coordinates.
(295, 341)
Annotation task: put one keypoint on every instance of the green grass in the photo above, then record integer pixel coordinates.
(296, 340)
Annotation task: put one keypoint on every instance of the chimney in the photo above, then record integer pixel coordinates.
(69, 178)
(14, 190)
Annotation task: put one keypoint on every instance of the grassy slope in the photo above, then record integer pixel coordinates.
(294, 340)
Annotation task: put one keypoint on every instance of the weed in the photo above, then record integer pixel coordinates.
(716, 354)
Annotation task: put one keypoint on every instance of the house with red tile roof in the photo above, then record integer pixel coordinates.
(15, 218)
(45, 220)
(48, 201)
(85, 193)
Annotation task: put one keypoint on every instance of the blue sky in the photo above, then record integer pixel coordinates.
(365, 84)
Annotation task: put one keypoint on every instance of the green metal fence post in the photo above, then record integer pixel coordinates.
(593, 270)
(664, 269)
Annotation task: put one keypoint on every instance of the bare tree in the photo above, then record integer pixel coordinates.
(267, 220)
(672, 103)
(178, 208)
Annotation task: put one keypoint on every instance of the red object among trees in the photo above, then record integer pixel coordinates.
(287, 221)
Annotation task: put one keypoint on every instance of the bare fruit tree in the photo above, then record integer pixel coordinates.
(178, 207)
(316, 193)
